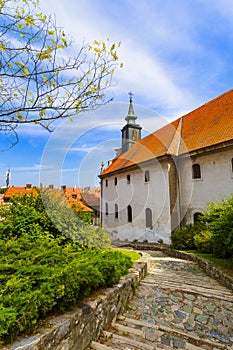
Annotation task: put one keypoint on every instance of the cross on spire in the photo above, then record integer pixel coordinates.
(130, 96)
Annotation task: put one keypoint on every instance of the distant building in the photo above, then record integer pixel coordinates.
(91, 198)
(87, 200)
(164, 180)
(19, 190)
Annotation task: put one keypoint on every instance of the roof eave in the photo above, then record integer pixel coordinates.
(137, 166)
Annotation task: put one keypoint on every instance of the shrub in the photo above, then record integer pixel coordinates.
(213, 234)
(183, 239)
(204, 241)
(46, 214)
(40, 276)
(218, 219)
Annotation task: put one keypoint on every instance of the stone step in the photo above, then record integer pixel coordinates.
(188, 289)
(188, 284)
(185, 277)
(176, 306)
(174, 277)
(126, 341)
(159, 334)
(98, 346)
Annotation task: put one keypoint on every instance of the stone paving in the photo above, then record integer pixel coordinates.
(176, 306)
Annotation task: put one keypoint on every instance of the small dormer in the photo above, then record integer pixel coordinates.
(131, 132)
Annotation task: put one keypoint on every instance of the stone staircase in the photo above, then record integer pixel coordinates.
(176, 306)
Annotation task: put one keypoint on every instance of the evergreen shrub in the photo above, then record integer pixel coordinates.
(183, 239)
(40, 276)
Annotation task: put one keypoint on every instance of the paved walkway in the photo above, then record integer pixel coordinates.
(176, 306)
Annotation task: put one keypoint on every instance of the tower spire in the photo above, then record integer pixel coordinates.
(131, 117)
(131, 132)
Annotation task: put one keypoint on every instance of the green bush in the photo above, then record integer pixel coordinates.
(204, 241)
(213, 234)
(183, 239)
(218, 219)
(40, 276)
(46, 214)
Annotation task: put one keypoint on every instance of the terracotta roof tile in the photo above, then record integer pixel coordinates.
(207, 125)
(13, 190)
(72, 195)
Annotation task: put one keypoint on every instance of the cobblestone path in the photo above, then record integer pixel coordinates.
(176, 306)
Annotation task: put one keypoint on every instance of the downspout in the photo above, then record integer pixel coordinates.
(101, 201)
(178, 172)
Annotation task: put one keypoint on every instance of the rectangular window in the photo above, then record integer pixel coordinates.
(106, 183)
(115, 181)
(196, 171)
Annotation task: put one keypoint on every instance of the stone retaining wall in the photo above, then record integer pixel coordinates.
(211, 270)
(76, 329)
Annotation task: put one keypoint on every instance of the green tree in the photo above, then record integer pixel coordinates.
(218, 220)
(40, 79)
(47, 214)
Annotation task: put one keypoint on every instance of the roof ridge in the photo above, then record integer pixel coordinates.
(177, 131)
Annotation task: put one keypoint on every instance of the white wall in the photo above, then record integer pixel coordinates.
(140, 195)
(215, 183)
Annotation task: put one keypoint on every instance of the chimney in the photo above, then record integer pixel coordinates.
(51, 187)
(63, 188)
(28, 186)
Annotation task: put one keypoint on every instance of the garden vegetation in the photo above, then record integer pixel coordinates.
(213, 233)
(48, 265)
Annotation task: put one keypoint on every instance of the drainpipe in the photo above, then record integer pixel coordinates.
(101, 202)
(178, 171)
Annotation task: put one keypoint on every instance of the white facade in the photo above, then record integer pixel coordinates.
(165, 180)
(215, 183)
(151, 194)
(129, 188)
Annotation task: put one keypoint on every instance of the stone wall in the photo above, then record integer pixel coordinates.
(76, 329)
(211, 270)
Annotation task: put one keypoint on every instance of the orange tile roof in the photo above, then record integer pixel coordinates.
(209, 124)
(69, 193)
(74, 198)
(20, 190)
(206, 126)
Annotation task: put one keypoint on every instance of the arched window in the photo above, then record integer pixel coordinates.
(197, 217)
(147, 176)
(232, 165)
(148, 218)
(106, 182)
(115, 181)
(116, 211)
(196, 171)
(129, 213)
(106, 208)
(128, 179)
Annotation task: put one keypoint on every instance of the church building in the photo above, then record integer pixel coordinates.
(165, 179)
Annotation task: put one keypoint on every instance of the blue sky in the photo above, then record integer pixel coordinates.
(177, 55)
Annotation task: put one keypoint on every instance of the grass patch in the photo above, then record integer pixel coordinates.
(222, 263)
(134, 256)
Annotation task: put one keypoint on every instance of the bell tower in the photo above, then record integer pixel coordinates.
(131, 132)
